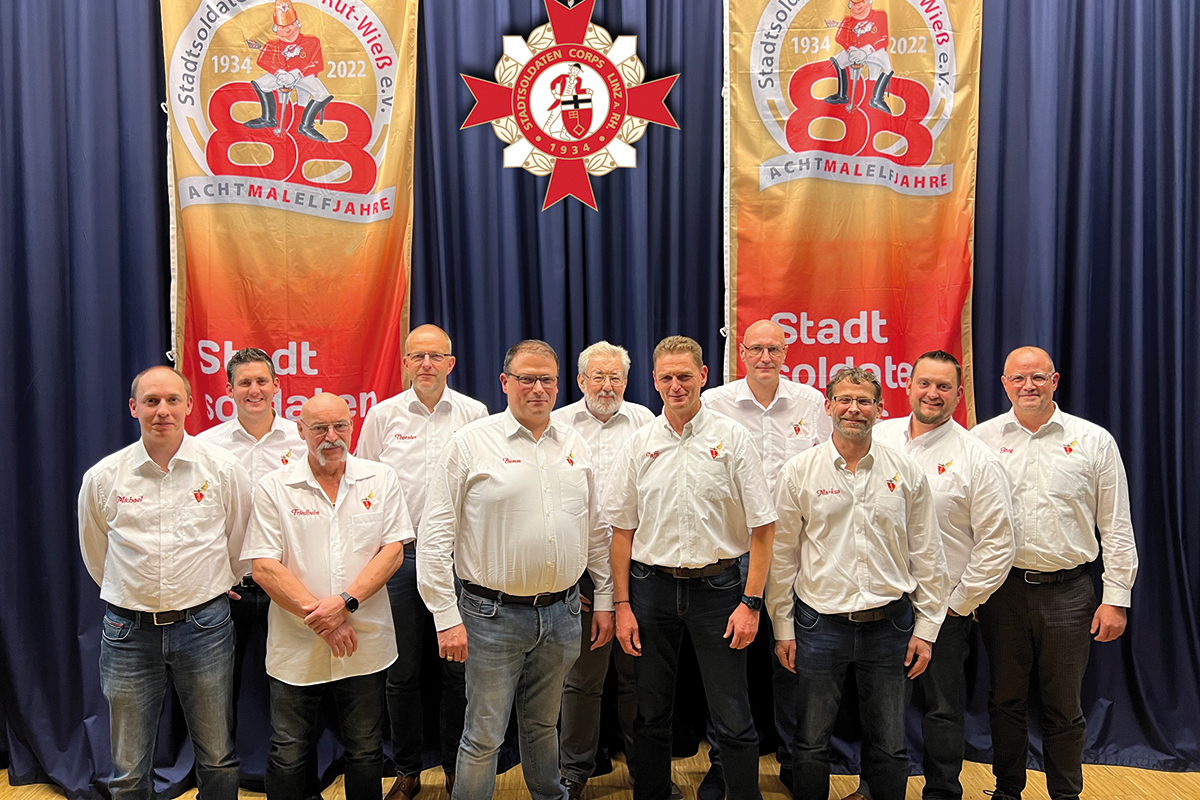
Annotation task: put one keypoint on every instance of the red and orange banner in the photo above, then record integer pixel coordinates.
(851, 174)
(291, 139)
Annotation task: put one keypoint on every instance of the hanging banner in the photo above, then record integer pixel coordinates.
(851, 176)
(291, 149)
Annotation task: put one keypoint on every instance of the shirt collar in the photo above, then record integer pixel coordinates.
(929, 438)
(186, 452)
(513, 428)
(746, 395)
(409, 395)
(1057, 418)
(277, 424)
(584, 411)
(833, 455)
(696, 424)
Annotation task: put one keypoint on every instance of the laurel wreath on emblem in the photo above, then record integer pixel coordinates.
(605, 106)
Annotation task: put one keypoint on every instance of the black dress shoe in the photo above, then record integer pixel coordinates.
(713, 785)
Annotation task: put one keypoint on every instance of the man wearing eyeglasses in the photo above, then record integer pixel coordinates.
(263, 442)
(511, 511)
(687, 499)
(971, 497)
(606, 420)
(407, 432)
(785, 418)
(161, 524)
(325, 534)
(858, 577)
(1068, 481)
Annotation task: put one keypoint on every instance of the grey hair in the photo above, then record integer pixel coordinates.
(603, 348)
(855, 375)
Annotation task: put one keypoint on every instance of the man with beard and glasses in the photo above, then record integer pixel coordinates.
(160, 527)
(857, 539)
(971, 497)
(1068, 482)
(407, 432)
(606, 420)
(325, 535)
(785, 418)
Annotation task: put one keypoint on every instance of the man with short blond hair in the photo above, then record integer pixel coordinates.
(785, 418)
(606, 420)
(686, 500)
(161, 524)
(1068, 482)
(325, 535)
(407, 432)
(511, 512)
(858, 577)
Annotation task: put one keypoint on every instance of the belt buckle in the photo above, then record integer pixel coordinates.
(169, 617)
(542, 600)
(851, 616)
(1028, 572)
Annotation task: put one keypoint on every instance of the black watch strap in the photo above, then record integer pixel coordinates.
(352, 602)
(752, 603)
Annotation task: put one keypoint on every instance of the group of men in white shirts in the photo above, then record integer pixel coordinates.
(532, 539)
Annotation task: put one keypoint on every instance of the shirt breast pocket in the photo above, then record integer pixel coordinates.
(574, 489)
(1071, 477)
(712, 479)
(366, 533)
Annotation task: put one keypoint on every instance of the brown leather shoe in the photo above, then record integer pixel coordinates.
(405, 787)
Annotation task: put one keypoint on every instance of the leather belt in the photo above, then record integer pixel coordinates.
(161, 617)
(1035, 576)
(535, 600)
(707, 571)
(247, 582)
(890, 611)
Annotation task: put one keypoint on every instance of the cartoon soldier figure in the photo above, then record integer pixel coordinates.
(864, 35)
(292, 61)
(565, 88)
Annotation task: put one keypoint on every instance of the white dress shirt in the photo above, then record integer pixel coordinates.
(325, 546)
(513, 514)
(856, 541)
(692, 498)
(971, 495)
(1068, 480)
(793, 422)
(279, 447)
(604, 439)
(164, 541)
(408, 437)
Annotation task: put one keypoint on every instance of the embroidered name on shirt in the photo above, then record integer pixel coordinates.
(1070, 446)
(943, 467)
(305, 512)
(893, 482)
(286, 457)
(199, 493)
(652, 455)
(123, 499)
(369, 500)
(406, 437)
(1005, 449)
(511, 460)
(824, 492)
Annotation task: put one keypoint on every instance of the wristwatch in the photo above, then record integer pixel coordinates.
(752, 603)
(352, 603)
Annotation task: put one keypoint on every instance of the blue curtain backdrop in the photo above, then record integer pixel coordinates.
(1087, 215)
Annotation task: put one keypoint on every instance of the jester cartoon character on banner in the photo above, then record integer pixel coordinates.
(851, 171)
(291, 128)
(570, 101)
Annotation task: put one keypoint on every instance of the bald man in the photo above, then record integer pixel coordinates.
(784, 418)
(407, 432)
(1068, 481)
(325, 534)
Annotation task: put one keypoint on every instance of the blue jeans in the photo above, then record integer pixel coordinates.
(359, 704)
(405, 709)
(665, 607)
(826, 646)
(196, 655)
(523, 653)
(944, 686)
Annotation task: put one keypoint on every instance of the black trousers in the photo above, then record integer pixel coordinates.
(1042, 631)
